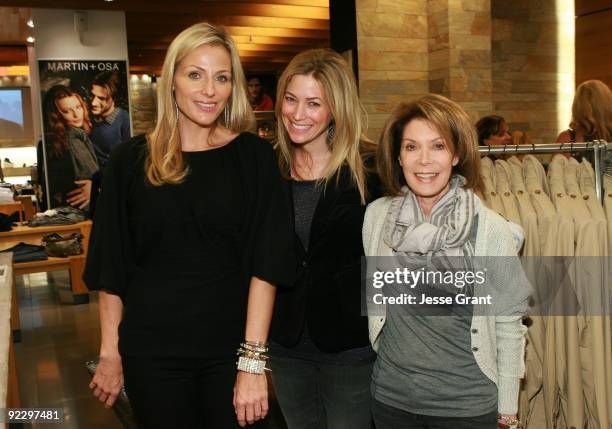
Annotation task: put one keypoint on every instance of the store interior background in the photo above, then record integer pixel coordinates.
(520, 59)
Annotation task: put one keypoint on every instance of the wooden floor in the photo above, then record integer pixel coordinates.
(57, 338)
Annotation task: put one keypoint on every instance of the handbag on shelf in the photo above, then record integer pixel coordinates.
(60, 246)
(121, 407)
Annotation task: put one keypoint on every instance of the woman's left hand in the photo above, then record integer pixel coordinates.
(250, 397)
(502, 422)
(80, 197)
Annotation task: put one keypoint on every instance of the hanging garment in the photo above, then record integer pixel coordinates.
(556, 238)
(586, 183)
(502, 179)
(531, 397)
(491, 198)
(529, 218)
(608, 208)
(596, 347)
(544, 407)
(562, 179)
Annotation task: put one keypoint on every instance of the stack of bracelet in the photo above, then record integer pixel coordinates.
(252, 357)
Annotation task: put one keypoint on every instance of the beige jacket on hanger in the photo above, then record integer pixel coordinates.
(562, 175)
(608, 208)
(545, 405)
(491, 199)
(502, 179)
(596, 342)
(528, 215)
(531, 397)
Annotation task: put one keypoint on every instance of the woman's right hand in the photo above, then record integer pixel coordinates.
(108, 380)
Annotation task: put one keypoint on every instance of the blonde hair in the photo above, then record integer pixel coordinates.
(453, 124)
(592, 110)
(165, 163)
(348, 144)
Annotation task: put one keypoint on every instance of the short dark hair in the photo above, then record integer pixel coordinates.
(488, 126)
(109, 80)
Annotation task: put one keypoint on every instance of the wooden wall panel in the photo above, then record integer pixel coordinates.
(582, 7)
(594, 47)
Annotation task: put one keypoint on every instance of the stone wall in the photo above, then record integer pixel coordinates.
(460, 52)
(532, 85)
(143, 103)
(491, 56)
(392, 42)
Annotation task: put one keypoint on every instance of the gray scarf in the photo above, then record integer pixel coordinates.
(440, 243)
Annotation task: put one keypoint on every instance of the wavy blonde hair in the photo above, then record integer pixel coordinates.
(165, 163)
(348, 145)
(592, 110)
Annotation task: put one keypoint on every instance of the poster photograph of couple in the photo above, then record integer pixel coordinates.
(85, 114)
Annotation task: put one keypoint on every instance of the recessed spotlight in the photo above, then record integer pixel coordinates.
(30, 23)
(30, 39)
(108, 1)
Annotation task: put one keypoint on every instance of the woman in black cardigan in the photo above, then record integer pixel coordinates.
(321, 357)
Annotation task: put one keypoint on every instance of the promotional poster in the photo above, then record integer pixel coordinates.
(85, 114)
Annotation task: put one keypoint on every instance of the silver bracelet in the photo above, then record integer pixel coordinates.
(255, 346)
(252, 366)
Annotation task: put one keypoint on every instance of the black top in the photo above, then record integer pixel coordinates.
(181, 256)
(325, 300)
(305, 198)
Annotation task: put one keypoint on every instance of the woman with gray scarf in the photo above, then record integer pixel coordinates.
(452, 355)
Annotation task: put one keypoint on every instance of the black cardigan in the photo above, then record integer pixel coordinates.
(327, 293)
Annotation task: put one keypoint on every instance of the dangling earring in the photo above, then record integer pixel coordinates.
(331, 130)
(177, 110)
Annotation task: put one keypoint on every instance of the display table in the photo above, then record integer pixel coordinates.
(75, 264)
(9, 386)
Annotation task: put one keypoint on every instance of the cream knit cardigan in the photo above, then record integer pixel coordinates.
(498, 342)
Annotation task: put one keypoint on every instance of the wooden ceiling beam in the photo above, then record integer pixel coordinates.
(277, 32)
(242, 47)
(272, 43)
(227, 9)
(179, 22)
(136, 5)
(287, 41)
(258, 47)
(157, 57)
(195, 8)
(257, 34)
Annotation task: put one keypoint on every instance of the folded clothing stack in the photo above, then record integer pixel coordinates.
(58, 216)
(23, 252)
(6, 195)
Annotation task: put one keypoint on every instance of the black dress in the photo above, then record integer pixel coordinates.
(181, 256)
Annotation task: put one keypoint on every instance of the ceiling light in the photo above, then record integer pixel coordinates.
(30, 23)
(30, 39)
(108, 1)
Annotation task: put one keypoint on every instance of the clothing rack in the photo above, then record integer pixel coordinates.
(598, 147)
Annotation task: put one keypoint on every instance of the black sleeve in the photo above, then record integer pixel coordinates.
(109, 258)
(273, 251)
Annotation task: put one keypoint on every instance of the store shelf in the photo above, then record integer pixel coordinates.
(8, 143)
(16, 171)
